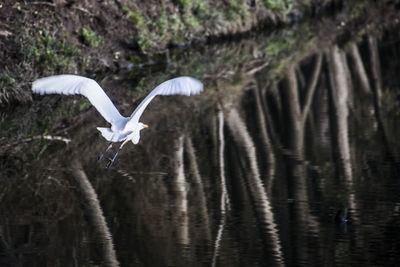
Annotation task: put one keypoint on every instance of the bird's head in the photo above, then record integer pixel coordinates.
(135, 135)
(142, 126)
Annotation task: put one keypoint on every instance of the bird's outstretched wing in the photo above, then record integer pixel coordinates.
(68, 84)
(178, 86)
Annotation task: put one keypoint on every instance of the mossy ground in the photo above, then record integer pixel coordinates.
(45, 38)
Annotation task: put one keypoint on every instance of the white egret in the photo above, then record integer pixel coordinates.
(123, 129)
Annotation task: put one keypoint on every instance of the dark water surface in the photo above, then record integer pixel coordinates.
(278, 163)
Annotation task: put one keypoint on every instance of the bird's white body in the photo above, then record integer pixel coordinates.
(122, 128)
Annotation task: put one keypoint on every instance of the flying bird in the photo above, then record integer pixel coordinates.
(123, 129)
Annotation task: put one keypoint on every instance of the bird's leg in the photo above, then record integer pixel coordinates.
(111, 161)
(105, 151)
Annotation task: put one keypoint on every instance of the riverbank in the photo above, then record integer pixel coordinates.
(45, 38)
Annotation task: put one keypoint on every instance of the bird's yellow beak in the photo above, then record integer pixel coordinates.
(145, 126)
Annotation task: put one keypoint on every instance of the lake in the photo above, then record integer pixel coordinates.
(290, 157)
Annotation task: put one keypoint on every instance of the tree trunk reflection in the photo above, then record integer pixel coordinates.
(181, 198)
(224, 200)
(95, 215)
(256, 186)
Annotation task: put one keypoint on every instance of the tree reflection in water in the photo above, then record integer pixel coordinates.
(255, 175)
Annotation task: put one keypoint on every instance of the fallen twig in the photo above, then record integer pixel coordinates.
(38, 137)
(5, 33)
(43, 3)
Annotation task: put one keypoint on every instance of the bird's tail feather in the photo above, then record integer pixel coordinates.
(111, 136)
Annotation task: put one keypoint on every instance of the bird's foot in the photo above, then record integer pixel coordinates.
(104, 152)
(110, 162)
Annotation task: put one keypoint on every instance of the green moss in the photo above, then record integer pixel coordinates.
(278, 5)
(278, 67)
(84, 104)
(150, 32)
(48, 53)
(7, 87)
(162, 24)
(358, 10)
(156, 32)
(235, 10)
(178, 38)
(6, 80)
(276, 48)
(143, 41)
(197, 7)
(200, 9)
(90, 38)
(185, 3)
(138, 89)
(176, 23)
(133, 16)
(191, 21)
(85, 63)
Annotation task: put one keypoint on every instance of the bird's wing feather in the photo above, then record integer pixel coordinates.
(178, 86)
(71, 85)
